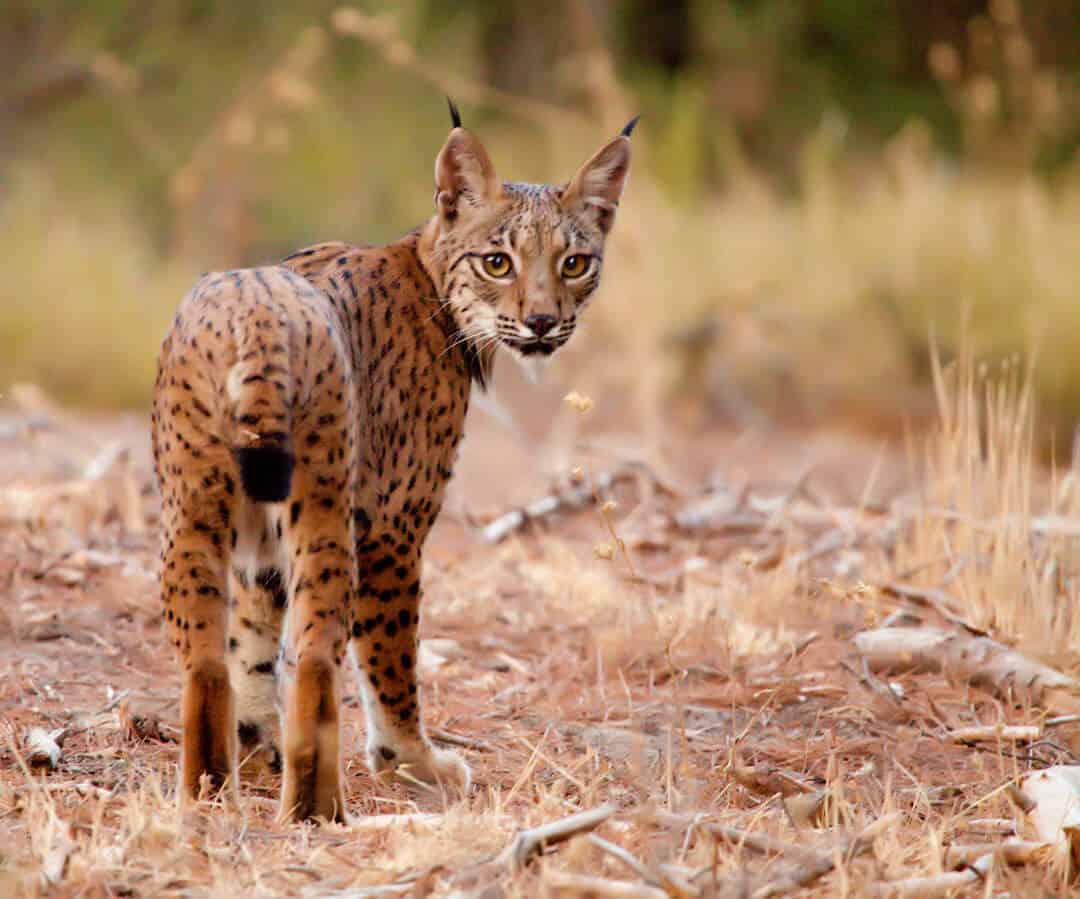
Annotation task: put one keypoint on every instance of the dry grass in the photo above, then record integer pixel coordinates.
(714, 682)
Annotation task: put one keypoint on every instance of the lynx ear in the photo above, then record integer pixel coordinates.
(598, 185)
(464, 176)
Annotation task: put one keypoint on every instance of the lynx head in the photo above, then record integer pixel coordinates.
(519, 262)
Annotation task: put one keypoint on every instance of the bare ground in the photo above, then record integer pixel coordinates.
(699, 672)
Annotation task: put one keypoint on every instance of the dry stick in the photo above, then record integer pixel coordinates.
(935, 884)
(827, 543)
(671, 878)
(1006, 826)
(676, 882)
(1015, 733)
(525, 845)
(814, 865)
(758, 842)
(980, 660)
(531, 842)
(559, 883)
(932, 598)
(797, 488)
(1012, 852)
(871, 683)
(447, 736)
(623, 856)
(573, 496)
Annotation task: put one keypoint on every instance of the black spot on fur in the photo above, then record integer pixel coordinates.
(265, 472)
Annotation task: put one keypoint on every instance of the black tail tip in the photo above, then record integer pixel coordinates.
(265, 472)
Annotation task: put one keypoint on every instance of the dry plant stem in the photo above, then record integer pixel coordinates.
(363, 823)
(559, 883)
(979, 660)
(1005, 826)
(605, 514)
(535, 840)
(932, 598)
(1018, 733)
(813, 864)
(473, 879)
(571, 497)
(446, 736)
(935, 885)
(623, 856)
(676, 882)
(1012, 852)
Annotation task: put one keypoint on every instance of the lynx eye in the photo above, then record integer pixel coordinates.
(498, 265)
(575, 266)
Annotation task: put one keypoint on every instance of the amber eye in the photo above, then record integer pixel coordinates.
(575, 266)
(498, 265)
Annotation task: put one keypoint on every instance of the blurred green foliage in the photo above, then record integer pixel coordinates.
(142, 142)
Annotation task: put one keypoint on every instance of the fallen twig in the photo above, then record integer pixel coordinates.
(980, 660)
(449, 737)
(813, 864)
(714, 509)
(931, 598)
(827, 543)
(531, 842)
(559, 883)
(574, 495)
(768, 780)
(624, 856)
(1011, 852)
(54, 862)
(1005, 826)
(1006, 733)
(935, 884)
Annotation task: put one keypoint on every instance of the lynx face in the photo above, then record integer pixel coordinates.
(521, 261)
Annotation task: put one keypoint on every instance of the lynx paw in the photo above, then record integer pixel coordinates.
(422, 761)
(259, 747)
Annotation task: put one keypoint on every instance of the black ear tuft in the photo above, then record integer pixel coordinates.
(629, 129)
(455, 116)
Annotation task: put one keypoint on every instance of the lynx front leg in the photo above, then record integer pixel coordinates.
(258, 607)
(385, 642)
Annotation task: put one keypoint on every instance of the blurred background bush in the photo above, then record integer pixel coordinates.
(821, 188)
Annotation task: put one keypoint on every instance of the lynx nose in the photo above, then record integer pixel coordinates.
(541, 324)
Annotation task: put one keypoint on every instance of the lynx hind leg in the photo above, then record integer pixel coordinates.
(322, 582)
(193, 588)
(259, 598)
(319, 540)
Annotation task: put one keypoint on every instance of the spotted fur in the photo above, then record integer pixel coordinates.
(306, 421)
